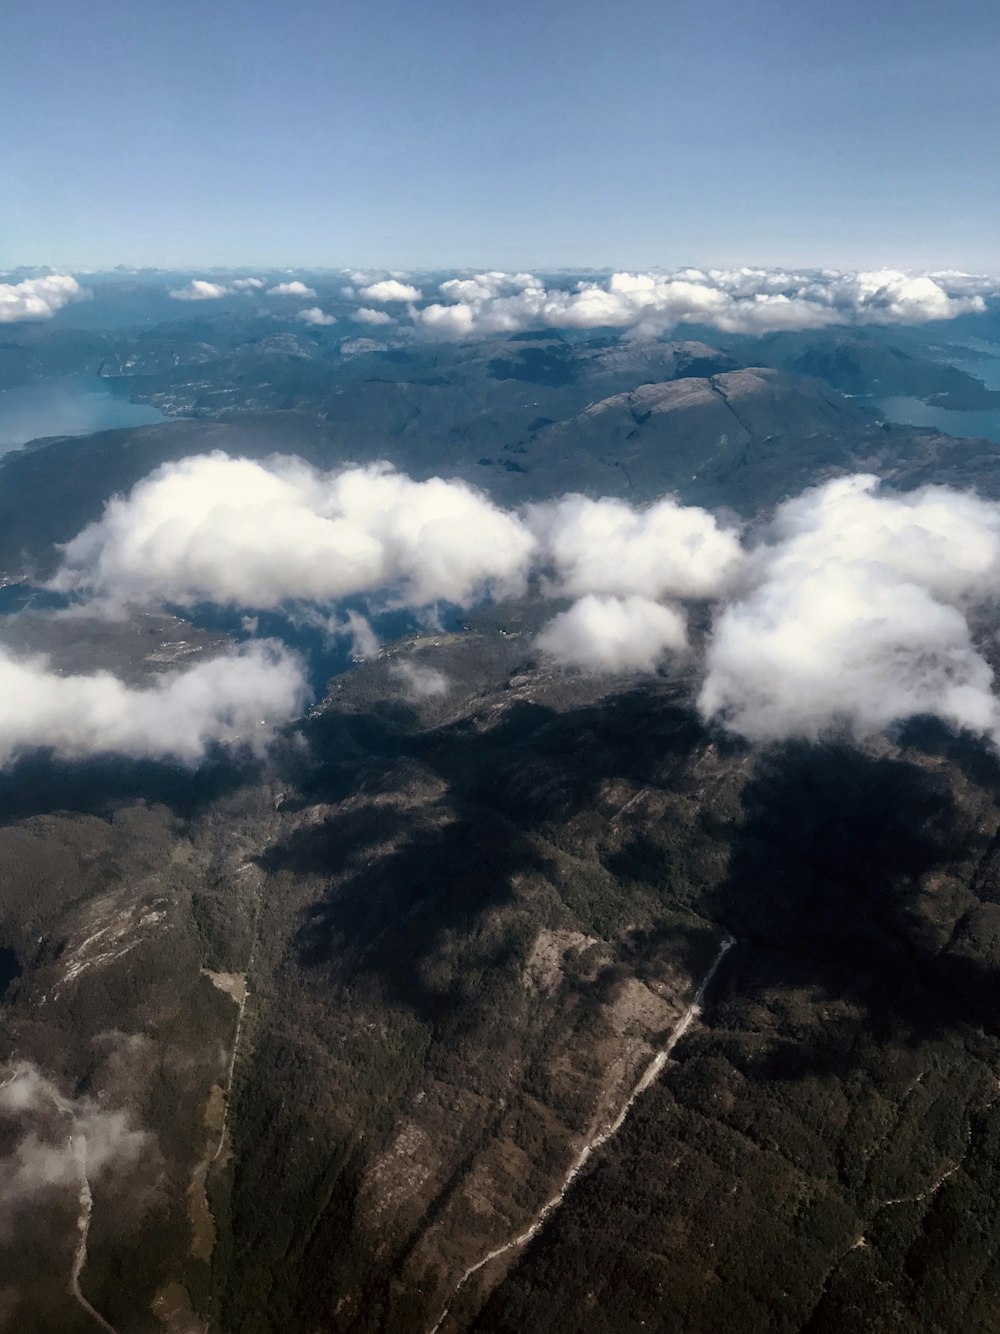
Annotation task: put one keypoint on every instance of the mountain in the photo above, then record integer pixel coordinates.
(493, 996)
(880, 364)
(467, 927)
(739, 439)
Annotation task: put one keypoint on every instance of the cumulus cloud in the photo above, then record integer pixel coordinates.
(257, 535)
(462, 320)
(294, 288)
(314, 315)
(65, 1144)
(233, 699)
(247, 284)
(661, 550)
(609, 634)
(856, 616)
(365, 315)
(390, 289)
(851, 610)
(418, 681)
(734, 301)
(200, 289)
(486, 286)
(37, 298)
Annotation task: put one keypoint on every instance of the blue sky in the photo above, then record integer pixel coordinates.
(533, 133)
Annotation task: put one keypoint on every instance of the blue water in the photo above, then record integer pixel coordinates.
(983, 424)
(323, 657)
(986, 369)
(66, 405)
(914, 412)
(25, 597)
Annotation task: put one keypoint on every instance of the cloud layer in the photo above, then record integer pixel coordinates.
(37, 298)
(850, 612)
(737, 301)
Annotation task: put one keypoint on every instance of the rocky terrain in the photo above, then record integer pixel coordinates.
(526, 1001)
(375, 1006)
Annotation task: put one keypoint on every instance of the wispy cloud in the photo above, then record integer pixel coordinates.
(419, 681)
(608, 634)
(59, 1142)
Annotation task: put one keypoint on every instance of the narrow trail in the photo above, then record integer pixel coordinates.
(78, 1144)
(255, 936)
(580, 1161)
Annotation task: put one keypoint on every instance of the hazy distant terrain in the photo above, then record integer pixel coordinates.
(311, 1006)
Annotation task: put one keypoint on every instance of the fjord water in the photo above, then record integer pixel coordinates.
(981, 424)
(66, 405)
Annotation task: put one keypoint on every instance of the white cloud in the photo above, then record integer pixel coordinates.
(354, 626)
(199, 289)
(37, 298)
(364, 640)
(419, 681)
(486, 286)
(365, 315)
(255, 535)
(247, 284)
(314, 315)
(663, 550)
(731, 300)
(608, 634)
(223, 700)
(852, 611)
(390, 289)
(855, 616)
(458, 321)
(80, 1142)
(294, 288)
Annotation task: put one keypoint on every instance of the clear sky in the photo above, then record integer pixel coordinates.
(514, 133)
